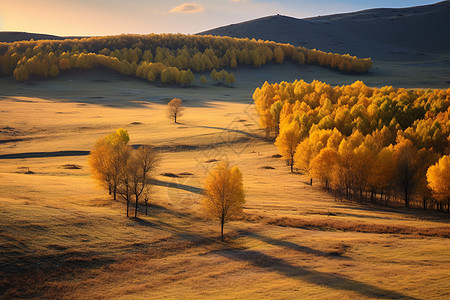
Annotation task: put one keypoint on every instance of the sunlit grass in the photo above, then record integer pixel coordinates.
(62, 237)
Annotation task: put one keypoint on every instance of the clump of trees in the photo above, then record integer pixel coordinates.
(222, 77)
(363, 143)
(175, 109)
(123, 170)
(224, 195)
(170, 58)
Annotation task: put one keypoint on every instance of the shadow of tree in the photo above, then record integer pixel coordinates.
(290, 245)
(302, 273)
(176, 185)
(229, 129)
(271, 263)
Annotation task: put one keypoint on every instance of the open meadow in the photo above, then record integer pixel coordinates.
(63, 237)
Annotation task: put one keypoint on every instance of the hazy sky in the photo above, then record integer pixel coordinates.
(104, 17)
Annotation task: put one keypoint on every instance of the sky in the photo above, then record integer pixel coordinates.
(110, 17)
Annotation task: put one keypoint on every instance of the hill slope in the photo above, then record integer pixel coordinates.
(13, 36)
(408, 46)
(412, 30)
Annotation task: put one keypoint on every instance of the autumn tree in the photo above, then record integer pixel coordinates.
(203, 80)
(138, 172)
(407, 167)
(224, 195)
(287, 142)
(230, 79)
(438, 176)
(323, 164)
(174, 109)
(124, 183)
(109, 158)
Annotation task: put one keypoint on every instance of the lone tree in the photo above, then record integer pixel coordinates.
(224, 193)
(174, 109)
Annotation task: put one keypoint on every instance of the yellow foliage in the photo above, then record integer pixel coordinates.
(224, 195)
(438, 176)
(287, 142)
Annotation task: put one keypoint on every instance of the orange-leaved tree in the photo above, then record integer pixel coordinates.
(438, 176)
(174, 109)
(287, 142)
(224, 195)
(108, 159)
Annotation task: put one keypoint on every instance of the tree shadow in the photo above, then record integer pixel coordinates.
(270, 263)
(293, 246)
(302, 273)
(176, 185)
(249, 134)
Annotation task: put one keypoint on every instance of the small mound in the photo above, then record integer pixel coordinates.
(25, 170)
(211, 160)
(185, 174)
(170, 175)
(277, 156)
(71, 167)
(267, 168)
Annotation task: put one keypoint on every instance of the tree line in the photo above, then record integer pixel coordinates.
(382, 145)
(149, 56)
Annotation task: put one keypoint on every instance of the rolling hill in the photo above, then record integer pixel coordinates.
(378, 33)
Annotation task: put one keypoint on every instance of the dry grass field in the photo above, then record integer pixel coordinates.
(63, 237)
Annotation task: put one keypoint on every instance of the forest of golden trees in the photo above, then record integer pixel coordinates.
(383, 145)
(170, 58)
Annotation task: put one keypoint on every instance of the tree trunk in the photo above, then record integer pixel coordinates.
(175, 118)
(424, 203)
(115, 191)
(128, 205)
(222, 221)
(145, 208)
(406, 196)
(310, 181)
(136, 209)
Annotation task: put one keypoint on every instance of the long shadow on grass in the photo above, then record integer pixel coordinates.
(302, 273)
(293, 246)
(228, 129)
(176, 185)
(262, 260)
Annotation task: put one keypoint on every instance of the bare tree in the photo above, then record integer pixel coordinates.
(174, 109)
(224, 193)
(142, 162)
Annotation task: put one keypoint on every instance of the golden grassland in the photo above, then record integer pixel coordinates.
(62, 237)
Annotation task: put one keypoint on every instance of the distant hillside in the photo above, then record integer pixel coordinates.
(376, 33)
(14, 36)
